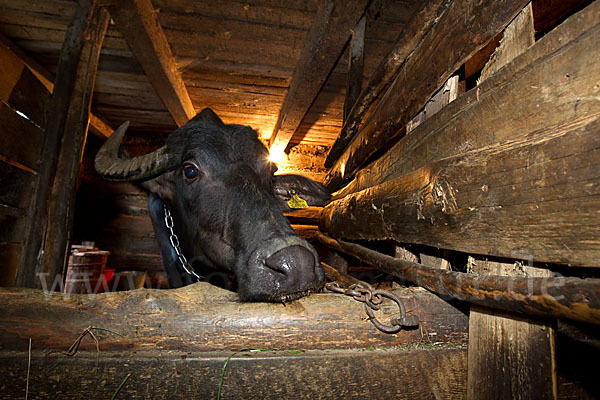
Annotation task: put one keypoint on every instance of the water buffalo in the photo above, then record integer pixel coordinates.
(225, 202)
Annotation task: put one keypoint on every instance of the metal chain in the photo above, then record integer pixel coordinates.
(175, 243)
(372, 298)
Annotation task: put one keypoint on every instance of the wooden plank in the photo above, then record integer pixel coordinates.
(19, 87)
(99, 127)
(502, 108)
(160, 319)
(558, 297)
(532, 199)
(510, 356)
(17, 186)
(356, 56)
(406, 373)
(54, 131)
(61, 203)
(523, 363)
(20, 139)
(137, 21)
(304, 215)
(445, 47)
(326, 40)
(386, 71)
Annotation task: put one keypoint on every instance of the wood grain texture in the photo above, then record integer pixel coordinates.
(523, 364)
(61, 203)
(445, 47)
(532, 199)
(202, 317)
(531, 92)
(137, 21)
(404, 373)
(54, 130)
(571, 298)
(510, 356)
(326, 40)
(386, 71)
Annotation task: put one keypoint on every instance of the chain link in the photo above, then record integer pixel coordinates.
(372, 298)
(175, 243)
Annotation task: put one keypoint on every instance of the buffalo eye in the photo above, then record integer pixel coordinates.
(191, 172)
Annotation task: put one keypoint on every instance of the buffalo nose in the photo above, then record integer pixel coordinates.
(296, 264)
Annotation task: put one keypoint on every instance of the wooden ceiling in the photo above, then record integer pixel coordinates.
(236, 57)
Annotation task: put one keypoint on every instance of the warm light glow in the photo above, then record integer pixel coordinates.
(276, 155)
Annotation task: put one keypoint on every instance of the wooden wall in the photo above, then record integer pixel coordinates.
(114, 215)
(22, 103)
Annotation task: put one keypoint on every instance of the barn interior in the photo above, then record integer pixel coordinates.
(460, 140)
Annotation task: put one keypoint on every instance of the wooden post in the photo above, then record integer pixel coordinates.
(329, 34)
(54, 130)
(355, 65)
(510, 356)
(61, 205)
(385, 73)
(445, 47)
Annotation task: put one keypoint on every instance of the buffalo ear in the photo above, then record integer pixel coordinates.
(208, 115)
(285, 186)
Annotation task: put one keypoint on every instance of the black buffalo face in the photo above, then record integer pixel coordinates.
(225, 202)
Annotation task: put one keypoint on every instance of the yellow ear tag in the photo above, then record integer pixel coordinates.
(296, 201)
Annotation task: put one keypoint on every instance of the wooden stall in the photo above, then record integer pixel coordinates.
(460, 141)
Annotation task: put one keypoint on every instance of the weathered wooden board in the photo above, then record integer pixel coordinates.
(445, 47)
(537, 90)
(536, 198)
(17, 186)
(322, 48)
(202, 317)
(20, 139)
(137, 21)
(523, 364)
(10, 254)
(383, 76)
(510, 356)
(20, 88)
(73, 120)
(403, 373)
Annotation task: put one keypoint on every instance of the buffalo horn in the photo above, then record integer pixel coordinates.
(111, 166)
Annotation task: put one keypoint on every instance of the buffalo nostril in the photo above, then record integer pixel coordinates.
(292, 260)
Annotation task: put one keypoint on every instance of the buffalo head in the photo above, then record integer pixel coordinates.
(226, 205)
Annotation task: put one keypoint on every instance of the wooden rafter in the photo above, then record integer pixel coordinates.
(137, 22)
(329, 34)
(385, 73)
(98, 126)
(441, 52)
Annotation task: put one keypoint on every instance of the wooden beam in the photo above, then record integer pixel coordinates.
(54, 131)
(432, 371)
(444, 48)
(569, 298)
(98, 126)
(502, 108)
(383, 76)
(536, 200)
(139, 25)
(356, 58)
(202, 317)
(61, 204)
(329, 34)
(523, 363)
